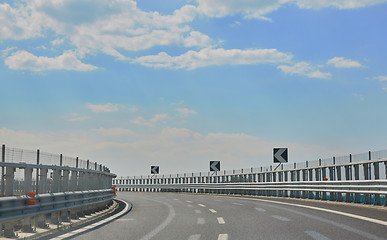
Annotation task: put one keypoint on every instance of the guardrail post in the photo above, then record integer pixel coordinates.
(43, 180)
(348, 177)
(324, 176)
(74, 180)
(37, 171)
(56, 178)
(65, 181)
(2, 170)
(338, 174)
(9, 177)
(366, 169)
(28, 180)
(357, 177)
(376, 174)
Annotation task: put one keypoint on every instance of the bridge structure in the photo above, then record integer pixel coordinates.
(38, 189)
(359, 178)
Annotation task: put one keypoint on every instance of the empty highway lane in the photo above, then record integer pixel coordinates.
(201, 216)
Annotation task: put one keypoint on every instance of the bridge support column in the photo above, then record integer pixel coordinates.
(9, 178)
(43, 180)
(324, 176)
(27, 225)
(348, 177)
(27, 180)
(55, 218)
(357, 175)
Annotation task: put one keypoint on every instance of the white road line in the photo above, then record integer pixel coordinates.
(194, 237)
(260, 209)
(221, 220)
(281, 218)
(198, 211)
(365, 235)
(201, 205)
(201, 221)
(176, 199)
(381, 222)
(72, 233)
(223, 237)
(126, 219)
(239, 204)
(316, 235)
(212, 210)
(168, 220)
(189, 202)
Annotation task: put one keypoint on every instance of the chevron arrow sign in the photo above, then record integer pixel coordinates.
(155, 169)
(214, 166)
(280, 155)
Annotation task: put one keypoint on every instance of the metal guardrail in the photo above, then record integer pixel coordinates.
(58, 188)
(354, 178)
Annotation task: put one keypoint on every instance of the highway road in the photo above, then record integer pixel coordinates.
(182, 216)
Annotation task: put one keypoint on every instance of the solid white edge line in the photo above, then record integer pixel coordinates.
(381, 222)
(94, 225)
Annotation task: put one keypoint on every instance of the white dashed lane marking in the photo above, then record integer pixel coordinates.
(201, 221)
(316, 235)
(281, 218)
(239, 204)
(223, 237)
(212, 210)
(260, 209)
(201, 205)
(189, 202)
(221, 220)
(194, 237)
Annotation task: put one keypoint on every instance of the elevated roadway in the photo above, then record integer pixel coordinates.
(201, 216)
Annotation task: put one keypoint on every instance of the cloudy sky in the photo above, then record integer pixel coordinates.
(177, 83)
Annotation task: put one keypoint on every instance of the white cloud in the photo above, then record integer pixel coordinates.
(58, 41)
(219, 57)
(304, 69)
(342, 4)
(159, 117)
(340, 62)
(185, 112)
(142, 122)
(114, 132)
(23, 60)
(258, 9)
(108, 107)
(381, 78)
(150, 123)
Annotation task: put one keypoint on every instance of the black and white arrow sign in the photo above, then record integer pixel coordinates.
(155, 169)
(214, 166)
(280, 155)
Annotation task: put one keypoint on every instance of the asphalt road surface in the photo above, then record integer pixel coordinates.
(183, 216)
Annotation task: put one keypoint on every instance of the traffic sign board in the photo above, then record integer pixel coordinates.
(214, 166)
(155, 169)
(280, 155)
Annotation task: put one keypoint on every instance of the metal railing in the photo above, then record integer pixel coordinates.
(353, 178)
(34, 184)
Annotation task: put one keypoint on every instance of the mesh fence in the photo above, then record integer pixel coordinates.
(292, 166)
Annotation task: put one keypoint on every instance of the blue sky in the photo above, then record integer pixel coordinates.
(179, 83)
